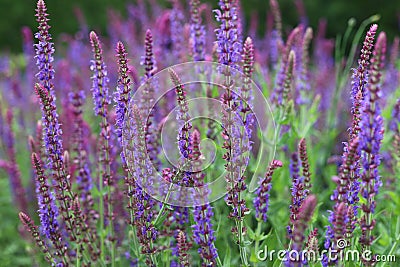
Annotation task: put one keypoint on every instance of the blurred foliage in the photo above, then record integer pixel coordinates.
(19, 13)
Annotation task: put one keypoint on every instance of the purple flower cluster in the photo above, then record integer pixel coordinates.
(203, 232)
(48, 211)
(44, 49)
(229, 47)
(261, 201)
(122, 94)
(197, 32)
(371, 136)
(100, 79)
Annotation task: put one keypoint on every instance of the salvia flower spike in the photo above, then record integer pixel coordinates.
(44, 48)
(371, 136)
(261, 201)
(33, 229)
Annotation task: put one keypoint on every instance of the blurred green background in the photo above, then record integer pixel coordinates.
(17, 13)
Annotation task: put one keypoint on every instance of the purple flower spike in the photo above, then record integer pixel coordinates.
(44, 48)
(203, 233)
(229, 47)
(395, 121)
(197, 32)
(282, 93)
(183, 247)
(33, 229)
(177, 31)
(371, 136)
(48, 211)
(147, 102)
(261, 201)
(305, 214)
(54, 151)
(183, 115)
(305, 165)
(100, 79)
(303, 85)
(359, 80)
(246, 94)
(288, 59)
(11, 166)
(122, 94)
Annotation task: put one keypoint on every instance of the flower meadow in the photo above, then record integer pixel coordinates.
(183, 137)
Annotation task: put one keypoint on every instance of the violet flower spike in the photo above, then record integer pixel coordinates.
(229, 47)
(261, 201)
(246, 94)
(280, 92)
(303, 78)
(183, 116)
(122, 94)
(302, 148)
(148, 99)
(305, 214)
(33, 229)
(371, 136)
(44, 49)
(359, 80)
(298, 193)
(8, 138)
(48, 211)
(99, 79)
(203, 233)
(197, 32)
(177, 31)
(183, 247)
(142, 203)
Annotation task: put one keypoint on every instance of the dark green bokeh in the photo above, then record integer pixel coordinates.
(17, 13)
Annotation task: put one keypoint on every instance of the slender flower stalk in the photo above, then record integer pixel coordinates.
(83, 178)
(51, 127)
(44, 49)
(261, 201)
(302, 150)
(18, 190)
(286, 66)
(229, 46)
(298, 192)
(177, 31)
(183, 247)
(183, 116)
(33, 229)
(312, 243)
(359, 80)
(48, 211)
(203, 233)
(246, 96)
(122, 94)
(197, 32)
(305, 214)
(142, 201)
(229, 49)
(54, 151)
(392, 77)
(303, 78)
(101, 101)
(371, 136)
(278, 23)
(148, 98)
(122, 100)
